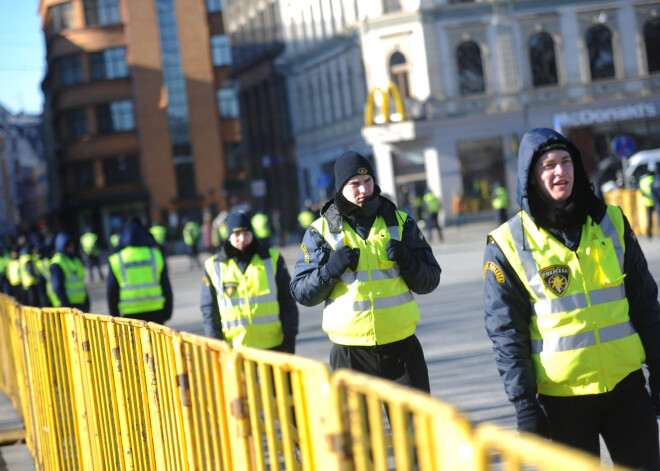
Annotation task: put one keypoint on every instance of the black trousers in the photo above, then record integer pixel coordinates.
(402, 362)
(624, 417)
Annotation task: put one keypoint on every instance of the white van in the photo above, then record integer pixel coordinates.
(641, 163)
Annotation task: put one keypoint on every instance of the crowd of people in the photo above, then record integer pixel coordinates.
(570, 305)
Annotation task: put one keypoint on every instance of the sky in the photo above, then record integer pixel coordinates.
(22, 56)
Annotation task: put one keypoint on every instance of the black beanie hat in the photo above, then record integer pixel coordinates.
(348, 165)
(237, 222)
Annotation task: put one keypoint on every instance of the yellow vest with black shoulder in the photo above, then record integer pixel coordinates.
(138, 272)
(28, 278)
(373, 304)
(582, 339)
(74, 279)
(249, 309)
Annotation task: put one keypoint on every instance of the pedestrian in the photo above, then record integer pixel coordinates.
(364, 259)
(500, 201)
(14, 285)
(245, 296)
(191, 233)
(34, 288)
(138, 285)
(572, 311)
(431, 208)
(4, 260)
(262, 228)
(159, 233)
(645, 185)
(67, 275)
(89, 244)
(305, 218)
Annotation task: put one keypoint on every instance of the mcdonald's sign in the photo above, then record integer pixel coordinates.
(392, 89)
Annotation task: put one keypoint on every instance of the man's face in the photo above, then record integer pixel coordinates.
(358, 189)
(553, 176)
(240, 239)
(70, 248)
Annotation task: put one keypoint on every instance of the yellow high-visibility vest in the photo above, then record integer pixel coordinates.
(373, 304)
(583, 341)
(27, 278)
(248, 304)
(138, 272)
(14, 272)
(74, 279)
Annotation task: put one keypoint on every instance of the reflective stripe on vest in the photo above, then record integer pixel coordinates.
(144, 294)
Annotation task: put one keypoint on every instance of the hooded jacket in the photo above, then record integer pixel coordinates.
(136, 235)
(57, 275)
(507, 305)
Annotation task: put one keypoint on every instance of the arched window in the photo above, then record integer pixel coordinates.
(601, 59)
(399, 69)
(652, 41)
(542, 59)
(470, 71)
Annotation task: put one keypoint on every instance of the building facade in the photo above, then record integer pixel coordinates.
(134, 97)
(473, 77)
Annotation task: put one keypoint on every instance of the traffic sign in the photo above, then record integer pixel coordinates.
(623, 145)
(323, 180)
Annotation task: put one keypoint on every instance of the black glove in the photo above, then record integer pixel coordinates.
(341, 259)
(398, 252)
(654, 384)
(533, 420)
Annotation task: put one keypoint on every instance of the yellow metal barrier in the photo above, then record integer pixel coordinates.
(632, 204)
(386, 426)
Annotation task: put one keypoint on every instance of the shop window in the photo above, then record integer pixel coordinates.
(70, 69)
(109, 64)
(220, 50)
(542, 60)
(213, 5)
(121, 170)
(77, 124)
(390, 6)
(652, 42)
(228, 106)
(83, 175)
(115, 117)
(470, 70)
(601, 58)
(101, 12)
(482, 165)
(399, 70)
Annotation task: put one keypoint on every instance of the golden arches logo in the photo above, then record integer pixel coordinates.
(392, 89)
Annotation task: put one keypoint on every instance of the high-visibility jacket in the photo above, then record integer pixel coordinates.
(74, 279)
(645, 188)
(260, 226)
(4, 259)
(27, 277)
(44, 269)
(190, 233)
(138, 271)
(305, 218)
(373, 304)
(88, 242)
(432, 202)
(159, 232)
(222, 231)
(500, 198)
(114, 240)
(14, 272)
(582, 339)
(249, 309)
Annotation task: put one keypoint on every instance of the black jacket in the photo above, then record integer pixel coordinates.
(507, 306)
(311, 284)
(136, 235)
(288, 307)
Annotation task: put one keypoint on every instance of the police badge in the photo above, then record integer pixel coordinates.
(230, 288)
(556, 278)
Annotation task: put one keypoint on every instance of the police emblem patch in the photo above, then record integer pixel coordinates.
(556, 278)
(305, 251)
(230, 288)
(492, 267)
(361, 171)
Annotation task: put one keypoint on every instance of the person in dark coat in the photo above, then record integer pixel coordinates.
(572, 311)
(67, 275)
(155, 306)
(364, 259)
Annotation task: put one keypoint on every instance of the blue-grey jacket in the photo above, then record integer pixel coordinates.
(507, 306)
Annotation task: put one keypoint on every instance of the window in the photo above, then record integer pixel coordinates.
(77, 124)
(399, 69)
(121, 170)
(228, 103)
(109, 64)
(470, 71)
(220, 50)
(233, 160)
(213, 5)
(652, 42)
(185, 180)
(70, 70)
(83, 175)
(61, 17)
(542, 59)
(601, 59)
(101, 12)
(115, 117)
(390, 6)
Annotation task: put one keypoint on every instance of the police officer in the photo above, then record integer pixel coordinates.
(645, 184)
(138, 284)
(4, 260)
(14, 286)
(262, 229)
(34, 293)
(572, 311)
(89, 244)
(160, 235)
(306, 217)
(191, 233)
(431, 208)
(245, 292)
(500, 202)
(67, 275)
(364, 259)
